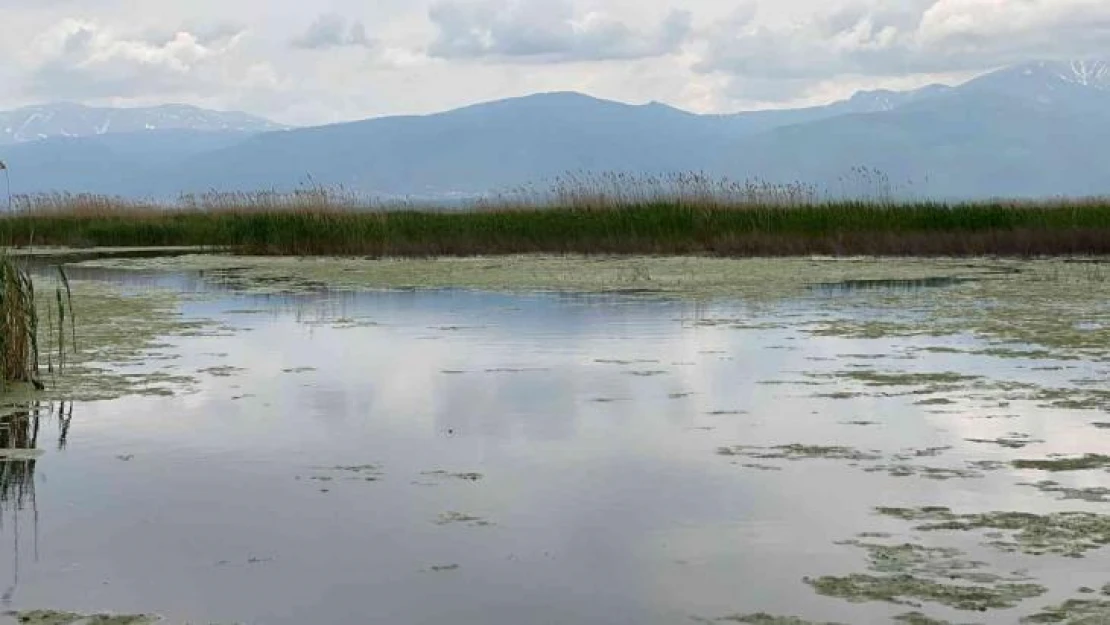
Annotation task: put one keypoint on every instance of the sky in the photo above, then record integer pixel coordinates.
(317, 62)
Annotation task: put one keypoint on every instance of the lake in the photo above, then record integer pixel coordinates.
(306, 450)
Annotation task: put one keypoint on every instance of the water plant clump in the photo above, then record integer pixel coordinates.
(54, 617)
(797, 451)
(1097, 494)
(1080, 463)
(912, 574)
(1070, 534)
(1073, 612)
(761, 618)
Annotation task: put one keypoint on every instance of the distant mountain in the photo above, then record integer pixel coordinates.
(49, 121)
(1037, 129)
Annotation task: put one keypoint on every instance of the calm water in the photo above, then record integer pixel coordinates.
(302, 486)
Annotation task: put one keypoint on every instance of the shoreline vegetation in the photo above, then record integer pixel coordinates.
(602, 215)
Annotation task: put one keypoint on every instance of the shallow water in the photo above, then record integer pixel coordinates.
(455, 456)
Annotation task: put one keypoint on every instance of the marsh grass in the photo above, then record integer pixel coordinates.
(581, 213)
(19, 324)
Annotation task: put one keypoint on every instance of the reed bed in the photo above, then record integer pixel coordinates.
(19, 325)
(581, 213)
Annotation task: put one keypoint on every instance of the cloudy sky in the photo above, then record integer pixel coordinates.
(308, 62)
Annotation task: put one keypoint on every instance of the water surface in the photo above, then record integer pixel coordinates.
(457, 456)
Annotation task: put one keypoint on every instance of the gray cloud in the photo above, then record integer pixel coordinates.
(331, 30)
(545, 32)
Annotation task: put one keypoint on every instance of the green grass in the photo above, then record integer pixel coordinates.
(682, 225)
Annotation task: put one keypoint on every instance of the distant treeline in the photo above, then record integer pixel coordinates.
(772, 222)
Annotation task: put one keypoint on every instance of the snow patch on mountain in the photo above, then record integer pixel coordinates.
(45, 121)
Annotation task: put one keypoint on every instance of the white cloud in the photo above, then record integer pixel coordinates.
(82, 59)
(552, 31)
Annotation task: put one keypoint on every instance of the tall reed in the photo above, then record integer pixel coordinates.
(19, 323)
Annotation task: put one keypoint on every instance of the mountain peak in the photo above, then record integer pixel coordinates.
(1048, 75)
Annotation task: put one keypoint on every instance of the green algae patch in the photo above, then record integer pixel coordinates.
(797, 451)
(1081, 463)
(917, 618)
(757, 278)
(454, 518)
(349, 473)
(116, 332)
(1074, 612)
(911, 590)
(911, 574)
(1013, 440)
(463, 476)
(1048, 308)
(875, 378)
(1096, 494)
(1070, 534)
(927, 472)
(52, 617)
(762, 618)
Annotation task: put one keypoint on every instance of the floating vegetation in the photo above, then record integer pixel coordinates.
(298, 370)
(1069, 534)
(225, 371)
(466, 477)
(797, 451)
(352, 473)
(917, 618)
(1095, 494)
(878, 378)
(932, 473)
(1074, 612)
(911, 590)
(1013, 440)
(444, 568)
(908, 574)
(53, 617)
(452, 518)
(1081, 463)
(761, 618)
(934, 401)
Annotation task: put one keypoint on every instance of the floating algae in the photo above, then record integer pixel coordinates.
(797, 451)
(911, 590)
(52, 617)
(910, 574)
(465, 476)
(932, 473)
(1069, 534)
(917, 618)
(352, 473)
(1074, 612)
(1081, 463)
(451, 518)
(761, 618)
(1095, 494)
(1013, 440)
(224, 371)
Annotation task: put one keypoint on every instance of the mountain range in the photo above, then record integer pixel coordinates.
(1038, 129)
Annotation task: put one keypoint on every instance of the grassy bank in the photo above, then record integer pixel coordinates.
(586, 225)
